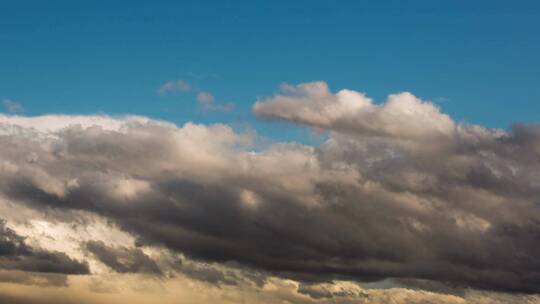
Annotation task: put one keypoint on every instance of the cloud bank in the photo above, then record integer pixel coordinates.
(398, 192)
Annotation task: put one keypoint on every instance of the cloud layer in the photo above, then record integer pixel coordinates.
(15, 254)
(399, 191)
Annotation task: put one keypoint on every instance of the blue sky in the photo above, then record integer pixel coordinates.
(478, 60)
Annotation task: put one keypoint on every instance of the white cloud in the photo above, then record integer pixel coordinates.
(175, 86)
(49, 124)
(402, 116)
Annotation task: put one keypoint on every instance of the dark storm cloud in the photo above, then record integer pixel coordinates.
(134, 260)
(216, 275)
(123, 260)
(398, 190)
(16, 255)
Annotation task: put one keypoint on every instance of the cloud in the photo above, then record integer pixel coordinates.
(207, 101)
(399, 190)
(226, 107)
(33, 278)
(15, 254)
(172, 86)
(402, 116)
(13, 106)
(30, 299)
(122, 259)
(333, 290)
(441, 99)
(274, 291)
(204, 98)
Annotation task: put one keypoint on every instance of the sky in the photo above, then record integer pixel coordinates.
(86, 57)
(269, 152)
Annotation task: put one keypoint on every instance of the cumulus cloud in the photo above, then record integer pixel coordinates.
(403, 116)
(399, 190)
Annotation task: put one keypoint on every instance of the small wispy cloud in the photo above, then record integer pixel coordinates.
(224, 107)
(205, 99)
(12, 106)
(441, 99)
(175, 86)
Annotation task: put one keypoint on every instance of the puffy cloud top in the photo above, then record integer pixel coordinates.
(402, 116)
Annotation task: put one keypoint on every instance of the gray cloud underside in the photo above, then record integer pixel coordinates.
(123, 260)
(134, 260)
(398, 190)
(15, 254)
